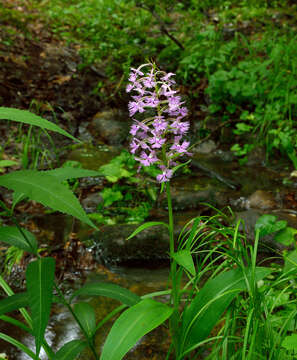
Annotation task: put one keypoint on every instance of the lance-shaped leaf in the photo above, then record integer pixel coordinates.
(184, 259)
(70, 350)
(40, 281)
(86, 316)
(132, 325)
(109, 290)
(6, 163)
(13, 302)
(71, 173)
(21, 239)
(18, 345)
(146, 226)
(27, 117)
(209, 304)
(47, 190)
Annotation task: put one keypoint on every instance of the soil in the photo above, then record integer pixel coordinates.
(40, 71)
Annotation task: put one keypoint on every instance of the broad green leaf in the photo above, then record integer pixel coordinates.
(184, 259)
(132, 325)
(47, 190)
(27, 117)
(286, 236)
(66, 173)
(70, 350)
(13, 236)
(290, 261)
(6, 163)
(290, 343)
(109, 290)
(110, 196)
(267, 224)
(86, 316)
(146, 226)
(40, 280)
(114, 171)
(13, 302)
(209, 304)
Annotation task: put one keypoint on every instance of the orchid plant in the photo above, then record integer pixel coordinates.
(191, 310)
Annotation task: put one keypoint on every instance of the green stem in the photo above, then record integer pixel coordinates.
(65, 302)
(173, 268)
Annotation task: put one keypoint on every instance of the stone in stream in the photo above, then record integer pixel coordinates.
(263, 200)
(111, 126)
(112, 246)
(91, 157)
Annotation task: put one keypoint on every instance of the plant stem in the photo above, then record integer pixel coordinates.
(65, 302)
(175, 290)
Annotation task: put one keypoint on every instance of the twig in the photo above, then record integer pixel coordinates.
(162, 24)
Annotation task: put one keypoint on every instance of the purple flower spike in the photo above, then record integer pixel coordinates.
(159, 138)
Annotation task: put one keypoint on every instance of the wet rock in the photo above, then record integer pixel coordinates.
(206, 147)
(112, 126)
(54, 55)
(112, 246)
(84, 134)
(91, 157)
(186, 200)
(91, 202)
(261, 199)
(257, 156)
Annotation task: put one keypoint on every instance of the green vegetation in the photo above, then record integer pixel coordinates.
(236, 59)
(126, 198)
(237, 62)
(242, 53)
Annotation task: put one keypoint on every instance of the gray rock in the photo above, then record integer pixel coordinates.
(261, 199)
(112, 246)
(186, 200)
(91, 202)
(112, 126)
(206, 147)
(90, 157)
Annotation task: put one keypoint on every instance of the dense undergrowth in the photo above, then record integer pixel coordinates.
(237, 60)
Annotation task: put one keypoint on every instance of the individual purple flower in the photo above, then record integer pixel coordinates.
(134, 146)
(165, 176)
(152, 101)
(129, 87)
(147, 159)
(134, 129)
(166, 90)
(167, 77)
(135, 106)
(160, 124)
(180, 148)
(156, 141)
(174, 103)
(180, 127)
(149, 81)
